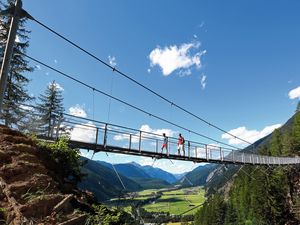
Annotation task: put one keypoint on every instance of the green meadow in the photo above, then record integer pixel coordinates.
(178, 201)
(173, 201)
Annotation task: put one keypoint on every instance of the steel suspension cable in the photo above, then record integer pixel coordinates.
(77, 118)
(126, 103)
(136, 82)
(116, 172)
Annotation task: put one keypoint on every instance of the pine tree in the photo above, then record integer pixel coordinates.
(50, 108)
(276, 143)
(212, 212)
(231, 214)
(15, 92)
(296, 133)
(279, 188)
(287, 144)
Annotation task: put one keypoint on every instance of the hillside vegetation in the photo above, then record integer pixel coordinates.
(103, 182)
(101, 179)
(264, 195)
(198, 176)
(37, 185)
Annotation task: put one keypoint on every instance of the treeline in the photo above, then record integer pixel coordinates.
(15, 92)
(15, 112)
(260, 196)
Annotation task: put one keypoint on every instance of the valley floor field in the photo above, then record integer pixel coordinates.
(173, 201)
(178, 201)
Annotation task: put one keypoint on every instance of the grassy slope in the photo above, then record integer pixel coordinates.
(177, 202)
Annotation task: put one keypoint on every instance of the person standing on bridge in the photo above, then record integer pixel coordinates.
(165, 143)
(181, 144)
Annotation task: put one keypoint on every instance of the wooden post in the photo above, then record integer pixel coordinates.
(9, 49)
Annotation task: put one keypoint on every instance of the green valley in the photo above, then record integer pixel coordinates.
(175, 201)
(178, 201)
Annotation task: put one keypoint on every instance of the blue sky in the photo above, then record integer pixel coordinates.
(234, 63)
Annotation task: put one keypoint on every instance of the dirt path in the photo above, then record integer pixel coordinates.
(28, 193)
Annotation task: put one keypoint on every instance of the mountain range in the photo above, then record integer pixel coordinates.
(101, 178)
(134, 170)
(103, 182)
(198, 176)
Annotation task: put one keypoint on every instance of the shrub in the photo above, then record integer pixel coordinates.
(106, 216)
(66, 159)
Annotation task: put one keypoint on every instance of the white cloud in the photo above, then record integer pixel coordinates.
(118, 155)
(201, 24)
(171, 58)
(148, 129)
(295, 93)
(17, 39)
(112, 61)
(167, 165)
(248, 135)
(77, 110)
(212, 149)
(122, 137)
(85, 132)
(149, 70)
(85, 153)
(203, 81)
(56, 85)
(183, 73)
(27, 108)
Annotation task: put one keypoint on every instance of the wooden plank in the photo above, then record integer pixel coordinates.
(61, 204)
(75, 221)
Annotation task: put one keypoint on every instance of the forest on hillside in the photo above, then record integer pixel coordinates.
(261, 195)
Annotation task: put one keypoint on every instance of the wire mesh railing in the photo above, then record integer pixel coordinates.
(106, 136)
(128, 139)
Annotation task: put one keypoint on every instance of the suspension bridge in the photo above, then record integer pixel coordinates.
(106, 137)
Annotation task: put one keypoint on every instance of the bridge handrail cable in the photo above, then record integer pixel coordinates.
(99, 123)
(128, 104)
(135, 81)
